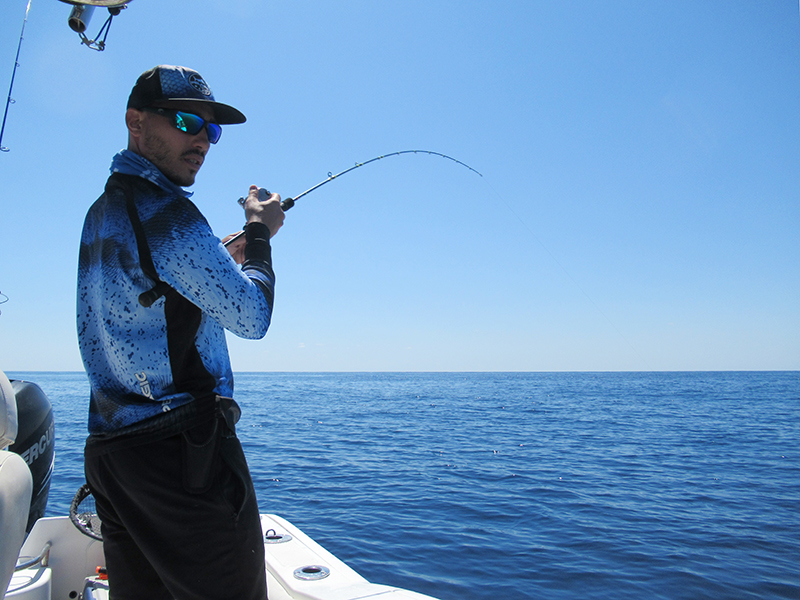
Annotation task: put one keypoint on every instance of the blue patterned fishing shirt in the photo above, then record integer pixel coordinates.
(144, 362)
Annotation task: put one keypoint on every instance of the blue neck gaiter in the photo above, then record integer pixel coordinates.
(130, 163)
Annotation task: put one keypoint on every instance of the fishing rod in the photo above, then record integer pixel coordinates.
(13, 74)
(289, 202)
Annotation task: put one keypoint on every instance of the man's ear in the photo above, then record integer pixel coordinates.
(133, 119)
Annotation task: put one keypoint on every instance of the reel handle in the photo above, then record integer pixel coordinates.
(285, 205)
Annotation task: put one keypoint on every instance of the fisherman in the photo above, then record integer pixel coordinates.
(156, 290)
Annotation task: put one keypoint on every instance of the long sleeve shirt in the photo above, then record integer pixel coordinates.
(143, 362)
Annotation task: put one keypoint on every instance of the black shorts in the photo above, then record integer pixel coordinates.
(162, 540)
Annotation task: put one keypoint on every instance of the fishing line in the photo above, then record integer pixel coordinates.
(289, 202)
(562, 267)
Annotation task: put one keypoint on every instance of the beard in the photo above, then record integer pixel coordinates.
(168, 161)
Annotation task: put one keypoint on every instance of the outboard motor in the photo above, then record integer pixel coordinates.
(35, 442)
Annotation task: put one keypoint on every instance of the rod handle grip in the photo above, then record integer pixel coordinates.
(285, 204)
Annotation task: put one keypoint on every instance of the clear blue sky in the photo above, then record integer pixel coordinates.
(638, 211)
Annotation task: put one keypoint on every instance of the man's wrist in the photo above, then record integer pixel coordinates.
(257, 227)
(257, 247)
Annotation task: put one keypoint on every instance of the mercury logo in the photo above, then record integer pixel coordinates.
(39, 448)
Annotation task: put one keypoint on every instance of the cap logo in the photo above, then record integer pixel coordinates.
(199, 84)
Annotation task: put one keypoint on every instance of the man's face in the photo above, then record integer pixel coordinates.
(177, 154)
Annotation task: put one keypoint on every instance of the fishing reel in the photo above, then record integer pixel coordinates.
(82, 11)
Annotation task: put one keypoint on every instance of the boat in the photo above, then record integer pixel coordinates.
(49, 558)
(44, 558)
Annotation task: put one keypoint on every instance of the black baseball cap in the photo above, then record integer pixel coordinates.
(166, 84)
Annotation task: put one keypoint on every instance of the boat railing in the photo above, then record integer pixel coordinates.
(43, 558)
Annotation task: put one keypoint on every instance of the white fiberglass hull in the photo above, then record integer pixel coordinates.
(297, 567)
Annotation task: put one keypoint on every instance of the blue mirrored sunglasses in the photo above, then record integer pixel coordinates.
(189, 123)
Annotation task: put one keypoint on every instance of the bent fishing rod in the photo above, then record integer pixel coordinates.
(289, 202)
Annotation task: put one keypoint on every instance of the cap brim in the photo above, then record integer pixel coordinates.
(224, 114)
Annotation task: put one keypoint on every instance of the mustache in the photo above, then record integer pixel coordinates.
(196, 151)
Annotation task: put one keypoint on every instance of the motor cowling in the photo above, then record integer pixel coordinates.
(35, 442)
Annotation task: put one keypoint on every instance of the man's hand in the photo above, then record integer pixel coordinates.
(265, 208)
(236, 248)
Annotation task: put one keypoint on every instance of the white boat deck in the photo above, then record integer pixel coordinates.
(297, 567)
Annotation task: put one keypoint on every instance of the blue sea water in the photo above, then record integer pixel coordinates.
(495, 486)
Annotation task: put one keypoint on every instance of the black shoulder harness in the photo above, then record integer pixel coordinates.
(146, 299)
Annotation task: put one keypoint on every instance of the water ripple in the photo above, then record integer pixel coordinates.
(515, 486)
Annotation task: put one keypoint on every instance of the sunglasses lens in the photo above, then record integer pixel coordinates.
(214, 132)
(192, 124)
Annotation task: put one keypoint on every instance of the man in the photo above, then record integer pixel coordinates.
(156, 290)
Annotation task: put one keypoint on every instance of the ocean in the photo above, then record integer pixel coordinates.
(511, 486)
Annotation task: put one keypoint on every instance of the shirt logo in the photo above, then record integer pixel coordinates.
(144, 385)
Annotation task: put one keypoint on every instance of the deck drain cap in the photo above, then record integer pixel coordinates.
(312, 573)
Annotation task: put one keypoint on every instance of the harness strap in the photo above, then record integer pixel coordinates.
(160, 289)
